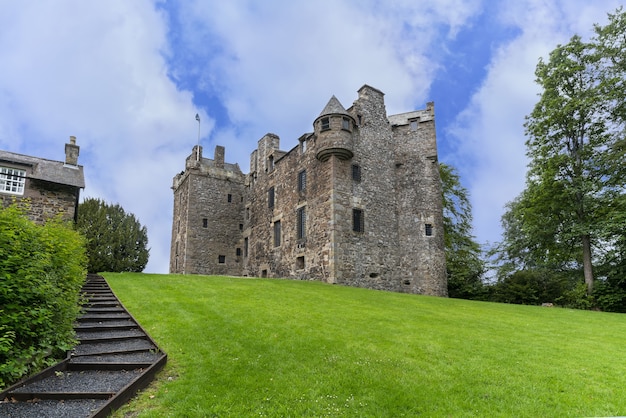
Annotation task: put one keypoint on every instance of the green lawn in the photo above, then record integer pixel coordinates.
(279, 348)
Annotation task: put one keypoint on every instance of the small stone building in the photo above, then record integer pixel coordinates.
(357, 202)
(47, 187)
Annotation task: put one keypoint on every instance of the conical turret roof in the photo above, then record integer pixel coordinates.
(334, 107)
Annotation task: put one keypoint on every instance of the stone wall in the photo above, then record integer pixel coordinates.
(398, 246)
(44, 200)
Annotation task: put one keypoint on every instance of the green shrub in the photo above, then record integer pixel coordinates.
(42, 268)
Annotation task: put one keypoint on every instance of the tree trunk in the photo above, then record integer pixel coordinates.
(587, 267)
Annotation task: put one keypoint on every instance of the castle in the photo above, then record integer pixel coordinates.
(357, 202)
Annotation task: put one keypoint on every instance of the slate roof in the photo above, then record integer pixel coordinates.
(334, 107)
(47, 170)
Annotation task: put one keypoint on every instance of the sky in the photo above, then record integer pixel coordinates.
(128, 77)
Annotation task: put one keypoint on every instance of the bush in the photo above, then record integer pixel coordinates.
(42, 268)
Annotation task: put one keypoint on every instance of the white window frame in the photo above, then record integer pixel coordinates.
(12, 180)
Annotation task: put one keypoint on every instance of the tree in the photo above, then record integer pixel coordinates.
(572, 208)
(463, 255)
(116, 241)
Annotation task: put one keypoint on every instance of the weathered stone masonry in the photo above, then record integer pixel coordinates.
(46, 188)
(357, 202)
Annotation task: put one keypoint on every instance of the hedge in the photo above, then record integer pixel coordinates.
(42, 268)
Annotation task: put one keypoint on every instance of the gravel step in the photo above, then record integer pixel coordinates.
(113, 347)
(51, 409)
(86, 381)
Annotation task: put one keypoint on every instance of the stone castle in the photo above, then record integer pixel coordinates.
(357, 202)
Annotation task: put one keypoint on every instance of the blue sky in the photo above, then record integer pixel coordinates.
(128, 77)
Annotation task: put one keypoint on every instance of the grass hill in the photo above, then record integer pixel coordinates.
(264, 347)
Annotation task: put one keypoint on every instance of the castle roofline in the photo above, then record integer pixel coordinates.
(334, 107)
(368, 87)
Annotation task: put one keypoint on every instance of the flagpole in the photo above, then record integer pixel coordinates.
(198, 145)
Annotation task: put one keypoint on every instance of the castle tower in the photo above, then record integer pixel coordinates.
(208, 216)
(333, 128)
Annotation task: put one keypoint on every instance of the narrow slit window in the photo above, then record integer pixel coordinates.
(301, 222)
(245, 247)
(356, 172)
(277, 234)
(358, 221)
(302, 181)
(230, 198)
(270, 198)
(205, 222)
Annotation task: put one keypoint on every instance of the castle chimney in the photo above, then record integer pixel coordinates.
(71, 152)
(219, 156)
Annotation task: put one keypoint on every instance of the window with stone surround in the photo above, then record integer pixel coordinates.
(221, 259)
(358, 220)
(413, 124)
(356, 172)
(230, 198)
(428, 229)
(12, 180)
(270, 197)
(302, 181)
(245, 247)
(346, 124)
(301, 222)
(277, 234)
(205, 222)
(238, 252)
(325, 124)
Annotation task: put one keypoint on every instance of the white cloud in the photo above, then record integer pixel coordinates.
(96, 70)
(490, 131)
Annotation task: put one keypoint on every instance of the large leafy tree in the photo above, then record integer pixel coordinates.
(571, 211)
(116, 241)
(464, 264)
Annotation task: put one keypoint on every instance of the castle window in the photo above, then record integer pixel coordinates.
(413, 124)
(356, 172)
(241, 227)
(221, 259)
(345, 124)
(277, 234)
(12, 180)
(230, 198)
(301, 222)
(270, 198)
(238, 252)
(358, 221)
(359, 118)
(245, 247)
(270, 163)
(247, 213)
(303, 146)
(205, 222)
(302, 181)
(428, 229)
(325, 124)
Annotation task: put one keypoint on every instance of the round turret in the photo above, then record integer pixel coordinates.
(333, 128)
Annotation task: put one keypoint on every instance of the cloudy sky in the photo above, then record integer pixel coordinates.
(128, 77)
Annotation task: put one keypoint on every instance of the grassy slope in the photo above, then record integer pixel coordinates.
(253, 347)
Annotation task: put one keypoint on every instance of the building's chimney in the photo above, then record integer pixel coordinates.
(219, 156)
(71, 152)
